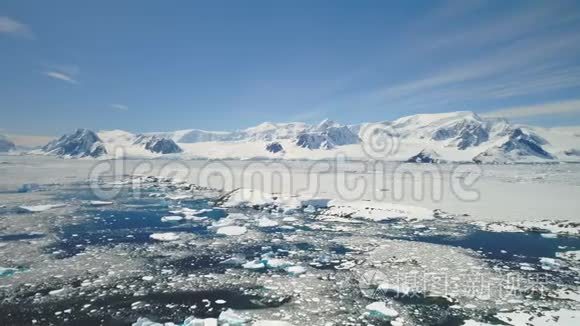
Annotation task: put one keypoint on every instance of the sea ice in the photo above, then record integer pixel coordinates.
(40, 208)
(271, 323)
(571, 255)
(562, 317)
(231, 318)
(266, 222)
(255, 264)
(232, 230)
(166, 236)
(296, 270)
(100, 203)
(172, 218)
(380, 310)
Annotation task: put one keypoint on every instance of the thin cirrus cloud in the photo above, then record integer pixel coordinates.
(529, 51)
(120, 107)
(550, 108)
(14, 28)
(63, 73)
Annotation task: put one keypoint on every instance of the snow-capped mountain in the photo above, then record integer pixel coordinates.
(6, 145)
(521, 146)
(327, 135)
(455, 137)
(156, 144)
(80, 143)
(266, 131)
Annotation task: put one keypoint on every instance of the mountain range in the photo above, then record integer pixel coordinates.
(424, 138)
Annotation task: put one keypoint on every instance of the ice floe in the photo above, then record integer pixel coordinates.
(547, 228)
(40, 208)
(380, 310)
(562, 317)
(266, 222)
(232, 230)
(165, 236)
(376, 211)
(231, 318)
(100, 203)
(172, 218)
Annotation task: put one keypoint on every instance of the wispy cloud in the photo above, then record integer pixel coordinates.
(528, 51)
(120, 107)
(14, 28)
(66, 73)
(551, 108)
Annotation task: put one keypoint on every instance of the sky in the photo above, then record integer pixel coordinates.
(222, 65)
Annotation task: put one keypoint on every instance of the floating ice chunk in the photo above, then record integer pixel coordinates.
(276, 263)
(346, 265)
(546, 228)
(296, 270)
(171, 218)
(40, 208)
(100, 203)
(230, 318)
(398, 290)
(562, 317)
(56, 292)
(377, 211)
(166, 236)
(471, 322)
(310, 209)
(248, 197)
(235, 261)
(192, 321)
(147, 278)
(255, 264)
(271, 323)
(266, 223)
(190, 213)
(29, 187)
(526, 267)
(380, 310)
(179, 196)
(142, 321)
(7, 271)
(498, 227)
(232, 230)
(550, 263)
(566, 294)
(571, 255)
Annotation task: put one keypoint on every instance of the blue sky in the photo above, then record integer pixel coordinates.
(221, 65)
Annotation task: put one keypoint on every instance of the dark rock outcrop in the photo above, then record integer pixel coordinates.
(274, 147)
